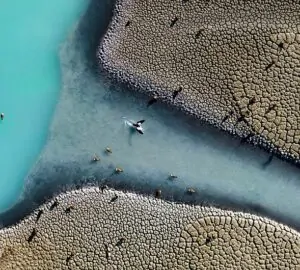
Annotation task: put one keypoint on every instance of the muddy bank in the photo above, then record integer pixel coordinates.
(237, 63)
(104, 229)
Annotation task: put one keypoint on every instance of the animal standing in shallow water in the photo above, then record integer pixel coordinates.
(118, 170)
(108, 150)
(172, 176)
(190, 191)
(95, 158)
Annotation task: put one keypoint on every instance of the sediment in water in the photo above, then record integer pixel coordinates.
(237, 63)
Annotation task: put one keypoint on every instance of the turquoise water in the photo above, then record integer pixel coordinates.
(31, 33)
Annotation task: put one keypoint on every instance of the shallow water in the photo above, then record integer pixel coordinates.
(89, 118)
(31, 32)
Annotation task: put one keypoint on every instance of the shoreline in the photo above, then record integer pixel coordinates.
(50, 175)
(88, 225)
(140, 86)
(120, 67)
(114, 223)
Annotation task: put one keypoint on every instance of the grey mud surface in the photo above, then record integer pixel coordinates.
(238, 63)
(94, 229)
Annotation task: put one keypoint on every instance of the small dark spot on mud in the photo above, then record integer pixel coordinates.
(128, 23)
(173, 22)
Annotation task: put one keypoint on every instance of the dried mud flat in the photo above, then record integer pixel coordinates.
(237, 63)
(106, 229)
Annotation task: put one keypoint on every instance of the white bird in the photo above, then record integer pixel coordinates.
(136, 125)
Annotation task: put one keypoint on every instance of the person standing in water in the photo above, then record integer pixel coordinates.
(2, 116)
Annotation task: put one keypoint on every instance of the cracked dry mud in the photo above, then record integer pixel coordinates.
(86, 229)
(236, 61)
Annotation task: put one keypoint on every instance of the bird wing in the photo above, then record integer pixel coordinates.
(140, 122)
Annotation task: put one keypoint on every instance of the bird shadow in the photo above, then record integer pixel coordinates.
(267, 162)
(131, 134)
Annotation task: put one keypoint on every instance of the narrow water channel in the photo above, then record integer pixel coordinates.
(88, 118)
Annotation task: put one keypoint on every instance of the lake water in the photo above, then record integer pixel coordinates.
(88, 118)
(31, 34)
